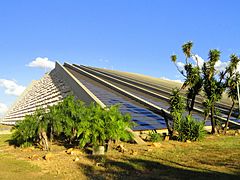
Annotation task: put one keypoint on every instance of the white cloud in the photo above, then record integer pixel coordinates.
(180, 65)
(238, 67)
(3, 109)
(174, 80)
(42, 63)
(221, 66)
(198, 60)
(11, 87)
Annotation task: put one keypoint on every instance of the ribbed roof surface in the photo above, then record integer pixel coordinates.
(144, 98)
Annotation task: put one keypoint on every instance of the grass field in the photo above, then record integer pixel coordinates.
(217, 157)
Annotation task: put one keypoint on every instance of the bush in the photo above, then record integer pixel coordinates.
(190, 129)
(25, 132)
(31, 130)
(155, 137)
(101, 125)
(72, 121)
(177, 109)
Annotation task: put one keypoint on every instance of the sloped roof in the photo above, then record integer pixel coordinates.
(143, 97)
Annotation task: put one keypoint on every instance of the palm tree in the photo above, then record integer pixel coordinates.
(42, 126)
(232, 93)
(207, 106)
(194, 81)
(192, 74)
(232, 83)
(186, 48)
(213, 86)
(174, 60)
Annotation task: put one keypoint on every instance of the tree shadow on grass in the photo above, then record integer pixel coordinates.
(145, 169)
(227, 163)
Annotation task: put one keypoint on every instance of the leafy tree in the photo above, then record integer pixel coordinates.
(67, 117)
(192, 74)
(214, 83)
(55, 127)
(206, 107)
(232, 81)
(186, 48)
(213, 86)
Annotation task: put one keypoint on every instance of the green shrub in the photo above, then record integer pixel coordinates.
(72, 121)
(177, 109)
(101, 125)
(25, 132)
(155, 137)
(190, 129)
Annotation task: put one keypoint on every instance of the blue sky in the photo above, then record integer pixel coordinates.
(128, 35)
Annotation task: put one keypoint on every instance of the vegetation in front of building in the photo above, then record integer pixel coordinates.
(155, 137)
(190, 129)
(73, 122)
(204, 77)
(184, 127)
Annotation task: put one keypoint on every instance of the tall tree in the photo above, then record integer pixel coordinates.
(192, 74)
(232, 81)
(213, 85)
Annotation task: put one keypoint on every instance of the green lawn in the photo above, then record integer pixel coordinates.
(12, 167)
(214, 158)
(217, 157)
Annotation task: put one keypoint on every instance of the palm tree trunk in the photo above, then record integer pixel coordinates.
(51, 134)
(192, 105)
(229, 115)
(44, 140)
(213, 122)
(170, 131)
(206, 117)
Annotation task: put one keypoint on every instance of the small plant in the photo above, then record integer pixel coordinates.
(177, 108)
(186, 127)
(190, 129)
(155, 137)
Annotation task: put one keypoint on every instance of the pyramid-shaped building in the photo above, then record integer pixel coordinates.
(146, 99)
